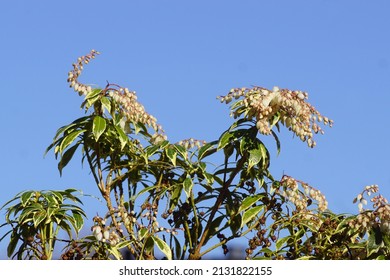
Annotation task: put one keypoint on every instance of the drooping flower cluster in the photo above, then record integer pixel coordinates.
(267, 107)
(74, 74)
(301, 200)
(133, 110)
(130, 108)
(379, 216)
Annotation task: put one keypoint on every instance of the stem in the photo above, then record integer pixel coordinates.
(221, 197)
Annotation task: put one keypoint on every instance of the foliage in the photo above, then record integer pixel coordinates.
(167, 199)
(37, 219)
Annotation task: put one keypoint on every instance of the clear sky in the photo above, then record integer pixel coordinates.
(180, 55)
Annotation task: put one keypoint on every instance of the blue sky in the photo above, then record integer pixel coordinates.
(180, 55)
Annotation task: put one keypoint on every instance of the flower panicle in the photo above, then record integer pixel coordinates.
(75, 73)
(267, 107)
(378, 217)
(302, 200)
(126, 100)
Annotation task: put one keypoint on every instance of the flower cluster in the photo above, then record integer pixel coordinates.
(301, 200)
(131, 109)
(75, 73)
(103, 233)
(134, 111)
(191, 143)
(379, 216)
(267, 107)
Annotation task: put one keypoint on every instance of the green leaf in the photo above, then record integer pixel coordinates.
(144, 190)
(93, 93)
(25, 197)
(57, 194)
(163, 247)
(64, 225)
(98, 127)
(207, 150)
(209, 177)
(174, 200)
(235, 223)
(38, 218)
(122, 136)
(66, 157)
(250, 214)
(106, 103)
(178, 251)
(68, 139)
(188, 184)
(151, 150)
(214, 227)
(277, 141)
(115, 252)
(142, 233)
(79, 221)
(249, 201)
(182, 151)
(224, 140)
(123, 244)
(12, 244)
(255, 155)
(375, 241)
(281, 241)
(171, 154)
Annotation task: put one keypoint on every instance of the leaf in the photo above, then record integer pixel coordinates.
(249, 201)
(106, 103)
(38, 218)
(182, 151)
(25, 197)
(12, 244)
(174, 200)
(144, 190)
(93, 93)
(235, 223)
(151, 150)
(207, 150)
(214, 227)
(64, 225)
(374, 242)
(79, 221)
(66, 157)
(277, 141)
(250, 214)
(209, 177)
(122, 136)
(255, 155)
(281, 241)
(123, 244)
(177, 248)
(224, 140)
(98, 127)
(142, 233)
(171, 154)
(67, 140)
(59, 197)
(188, 184)
(115, 252)
(163, 247)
